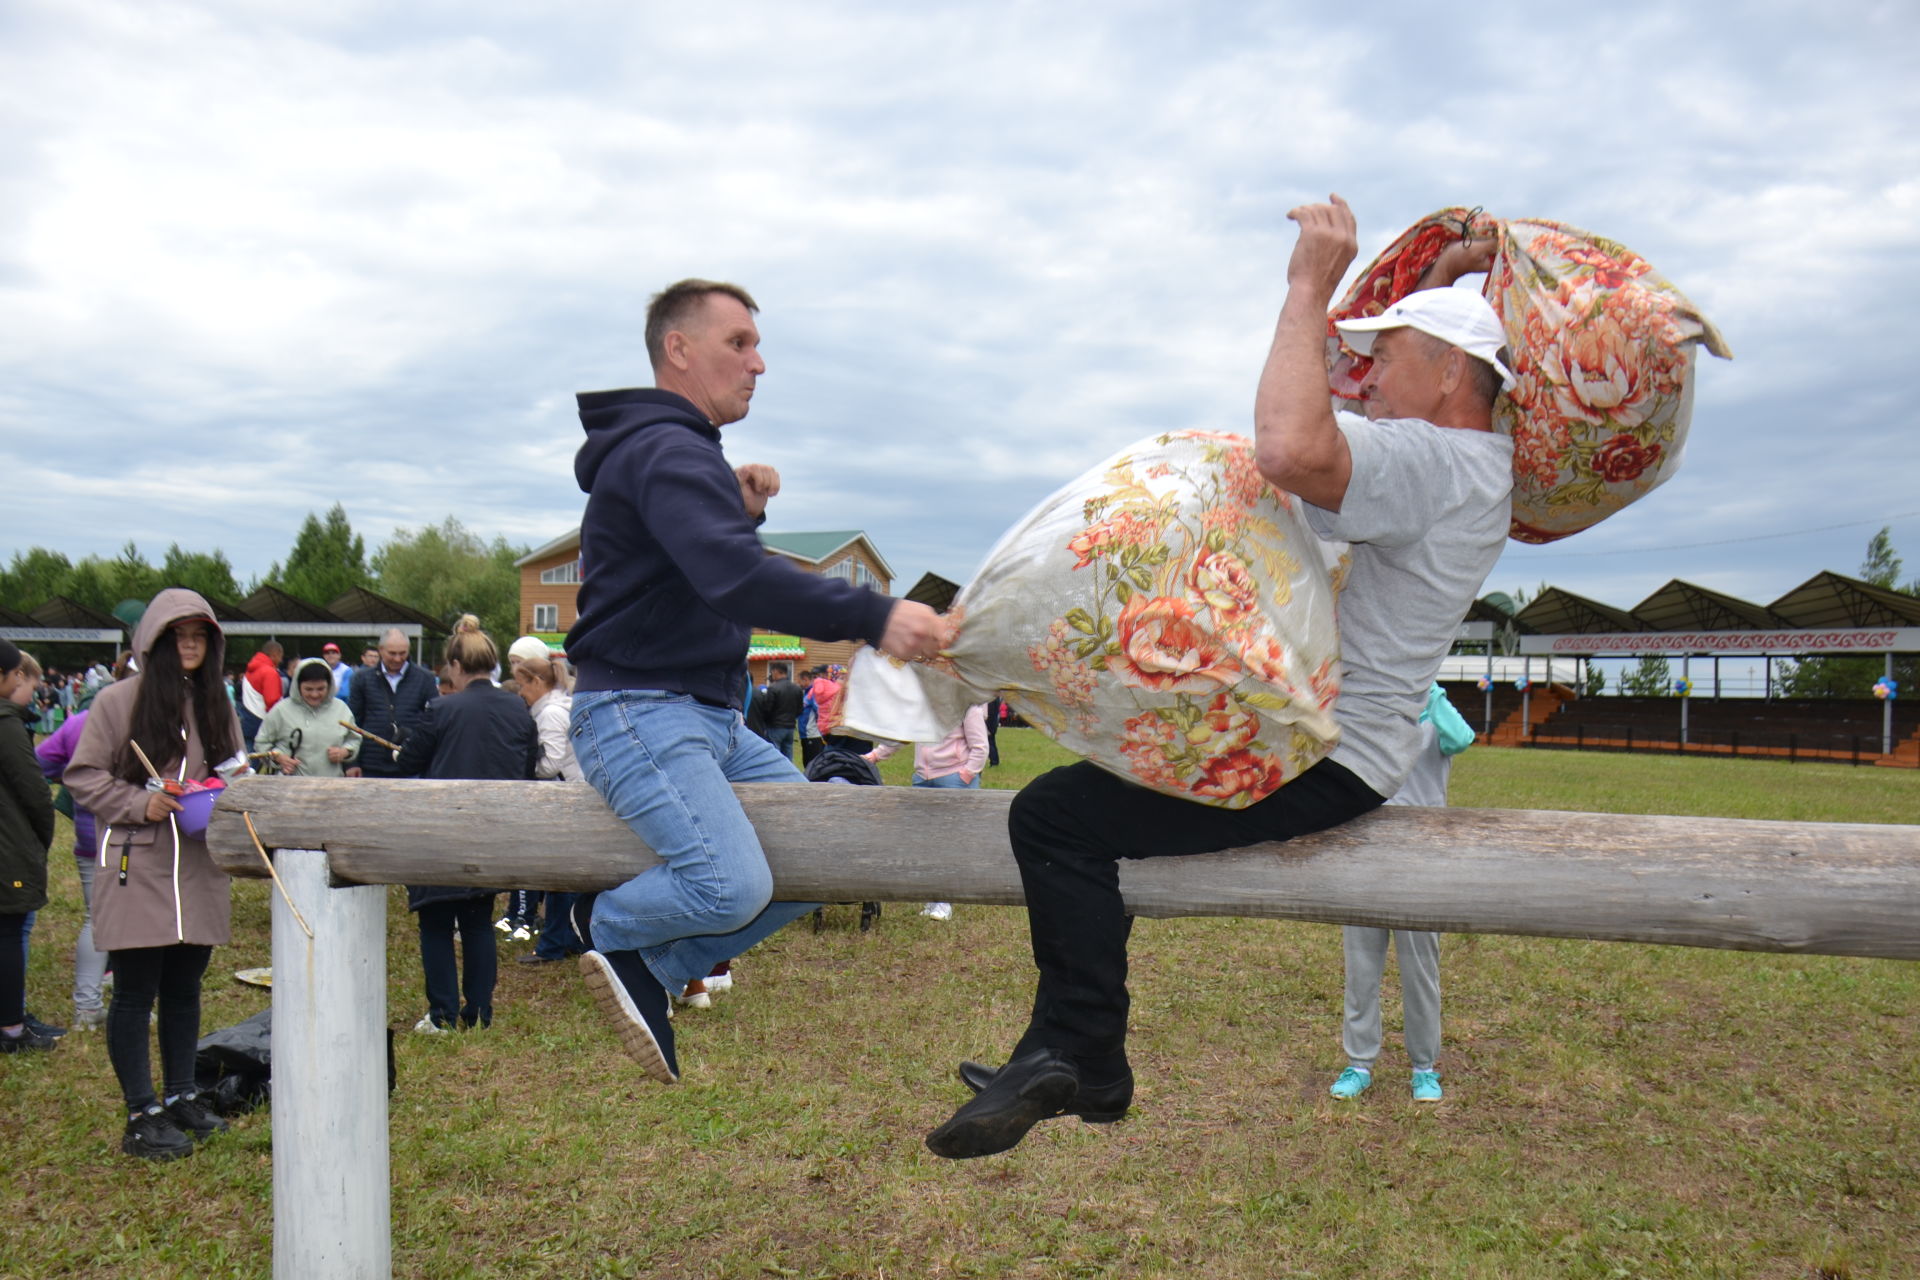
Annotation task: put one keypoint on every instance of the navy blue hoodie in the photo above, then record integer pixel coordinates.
(673, 576)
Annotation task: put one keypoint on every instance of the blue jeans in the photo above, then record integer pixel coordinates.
(557, 940)
(665, 765)
(951, 781)
(782, 740)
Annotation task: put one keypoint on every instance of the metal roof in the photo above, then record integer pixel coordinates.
(1682, 606)
(811, 547)
(370, 608)
(63, 612)
(1834, 600)
(271, 604)
(1561, 613)
(1486, 609)
(934, 591)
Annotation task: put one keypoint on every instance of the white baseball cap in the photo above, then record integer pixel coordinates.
(1458, 317)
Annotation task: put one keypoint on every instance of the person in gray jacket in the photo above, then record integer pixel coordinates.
(304, 733)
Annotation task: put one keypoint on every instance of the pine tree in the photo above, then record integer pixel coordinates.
(327, 560)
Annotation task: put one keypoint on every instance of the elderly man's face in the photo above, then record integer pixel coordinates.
(394, 654)
(1405, 379)
(723, 358)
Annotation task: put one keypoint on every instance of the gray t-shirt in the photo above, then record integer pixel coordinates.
(1427, 512)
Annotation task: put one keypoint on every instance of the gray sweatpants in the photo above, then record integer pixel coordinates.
(1419, 956)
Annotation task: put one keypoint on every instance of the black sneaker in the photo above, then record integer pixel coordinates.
(152, 1135)
(193, 1117)
(580, 916)
(48, 1030)
(627, 992)
(28, 1041)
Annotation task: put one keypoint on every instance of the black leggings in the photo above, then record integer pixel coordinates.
(140, 974)
(13, 971)
(1070, 828)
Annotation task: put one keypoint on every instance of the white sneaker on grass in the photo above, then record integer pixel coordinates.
(938, 911)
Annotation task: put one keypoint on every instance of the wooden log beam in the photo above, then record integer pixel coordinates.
(1820, 888)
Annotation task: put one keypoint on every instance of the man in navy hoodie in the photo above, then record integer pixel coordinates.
(673, 577)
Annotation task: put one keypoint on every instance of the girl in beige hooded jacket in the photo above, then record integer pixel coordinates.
(160, 905)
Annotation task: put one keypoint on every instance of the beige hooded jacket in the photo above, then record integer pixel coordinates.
(155, 887)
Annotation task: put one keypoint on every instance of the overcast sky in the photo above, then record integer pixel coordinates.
(259, 257)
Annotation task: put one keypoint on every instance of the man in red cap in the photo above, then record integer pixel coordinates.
(341, 671)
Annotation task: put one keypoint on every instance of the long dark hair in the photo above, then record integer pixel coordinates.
(159, 707)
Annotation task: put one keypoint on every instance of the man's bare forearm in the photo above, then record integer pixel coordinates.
(1296, 444)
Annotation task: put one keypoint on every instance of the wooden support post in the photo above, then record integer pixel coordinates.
(331, 1183)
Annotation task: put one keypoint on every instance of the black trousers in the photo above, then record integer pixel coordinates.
(479, 960)
(1069, 830)
(13, 970)
(142, 975)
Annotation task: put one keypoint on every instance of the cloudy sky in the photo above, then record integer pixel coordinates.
(258, 257)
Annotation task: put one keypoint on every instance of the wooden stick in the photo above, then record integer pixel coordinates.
(143, 760)
(371, 737)
(284, 895)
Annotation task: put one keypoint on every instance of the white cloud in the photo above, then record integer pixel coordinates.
(993, 241)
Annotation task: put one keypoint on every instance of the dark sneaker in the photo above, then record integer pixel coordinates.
(580, 916)
(1096, 1104)
(28, 1041)
(629, 994)
(48, 1030)
(152, 1135)
(1026, 1091)
(193, 1117)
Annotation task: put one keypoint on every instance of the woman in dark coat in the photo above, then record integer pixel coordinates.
(479, 731)
(26, 829)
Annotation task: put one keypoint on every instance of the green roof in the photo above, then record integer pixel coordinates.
(810, 546)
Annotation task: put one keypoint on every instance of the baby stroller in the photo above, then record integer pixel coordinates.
(837, 765)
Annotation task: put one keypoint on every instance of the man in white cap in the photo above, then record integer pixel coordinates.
(1420, 488)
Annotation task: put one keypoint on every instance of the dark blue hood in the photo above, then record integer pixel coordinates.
(673, 575)
(612, 417)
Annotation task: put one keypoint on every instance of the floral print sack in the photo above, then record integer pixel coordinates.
(1603, 359)
(1168, 615)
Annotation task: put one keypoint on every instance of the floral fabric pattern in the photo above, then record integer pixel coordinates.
(1168, 616)
(1602, 353)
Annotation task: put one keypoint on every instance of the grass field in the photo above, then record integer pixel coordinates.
(1611, 1111)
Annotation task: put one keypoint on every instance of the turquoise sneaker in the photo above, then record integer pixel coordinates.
(1352, 1083)
(1426, 1086)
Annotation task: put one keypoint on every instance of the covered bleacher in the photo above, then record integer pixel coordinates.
(1694, 628)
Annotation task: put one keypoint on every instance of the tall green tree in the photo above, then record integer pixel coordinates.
(209, 573)
(101, 584)
(1651, 677)
(1824, 677)
(35, 577)
(446, 570)
(328, 558)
